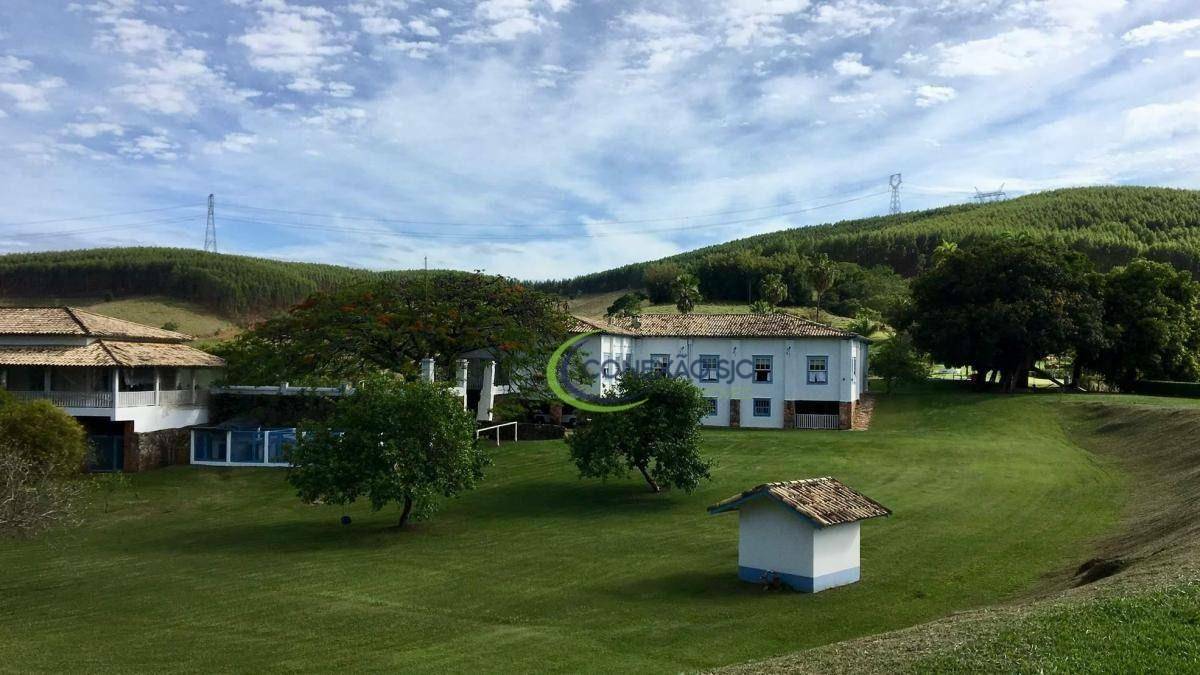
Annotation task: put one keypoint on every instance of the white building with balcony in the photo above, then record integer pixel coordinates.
(124, 381)
(756, 370)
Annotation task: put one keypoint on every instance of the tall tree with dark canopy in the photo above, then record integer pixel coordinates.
(1002, 304)
(410, 443)
(390, 324)
(1152, 325)
(660, 438)
(686, 290)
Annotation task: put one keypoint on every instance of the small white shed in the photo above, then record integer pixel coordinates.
(802, 533)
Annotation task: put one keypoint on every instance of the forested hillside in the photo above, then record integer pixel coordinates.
(1111, 225)
(237, 286)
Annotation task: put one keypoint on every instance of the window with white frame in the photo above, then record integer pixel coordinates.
(609, 366)
(710, 365)
(660, 364)
(762, 407)
(711, 410)
(854, 369)
(762, 368)
(818, 370)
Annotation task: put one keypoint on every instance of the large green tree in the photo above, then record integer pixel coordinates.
(660, 438)
(390, 324)
(897, 360)
(1002, 304)
(1152, 325)
(409, 443)
(658, 278)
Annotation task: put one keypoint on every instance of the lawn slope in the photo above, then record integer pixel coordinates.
(1135, 607)
(205, 569)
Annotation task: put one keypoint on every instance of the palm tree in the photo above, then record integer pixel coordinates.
(822, 273)
(686, 291)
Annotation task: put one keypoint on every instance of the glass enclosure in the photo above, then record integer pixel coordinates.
(242, 446)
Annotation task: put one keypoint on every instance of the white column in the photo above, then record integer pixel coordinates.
(156, 386)
(427, 370)
(487, 393)
(460, 375)
(116, 389)
(229, 446)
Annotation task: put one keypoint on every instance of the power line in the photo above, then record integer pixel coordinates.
(522, 237)
(100, 215)
(894, 181)
(100, 228)
(444, 223)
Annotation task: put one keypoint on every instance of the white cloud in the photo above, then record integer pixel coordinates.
(93, 129)
(306, 85)
(294, 40)
(507, 20)
(11, 65)
(236, 142)
(32, 97)
(860, 97)
(850, 65)
(759, 22)
(1191, 54)
(1011, 51)
(848, 18)
(1161, 31)
(929, 95)
(422, 28)
(340, 89)
(416, 49)
(173, 83)
(331, 116)
(132, 36)
(157, 146)
(1160, 121)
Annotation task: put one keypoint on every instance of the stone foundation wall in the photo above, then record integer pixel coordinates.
(735, 412)
(789, 414)
(846, 415)
(156, 449)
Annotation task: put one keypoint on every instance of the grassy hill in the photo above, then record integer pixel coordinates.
(1112, 225)
(153, 310)
(233, 286)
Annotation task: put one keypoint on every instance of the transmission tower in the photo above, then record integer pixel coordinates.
(210, 231)
(894, 180)
(994, 196)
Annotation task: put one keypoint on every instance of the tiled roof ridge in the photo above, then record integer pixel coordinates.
(70, 311)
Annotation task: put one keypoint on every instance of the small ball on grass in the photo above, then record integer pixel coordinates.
(345, 520)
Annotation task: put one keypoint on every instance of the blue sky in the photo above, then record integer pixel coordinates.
(547, 138)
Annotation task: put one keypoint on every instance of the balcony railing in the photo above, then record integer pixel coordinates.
(69, 399)
(126, 399)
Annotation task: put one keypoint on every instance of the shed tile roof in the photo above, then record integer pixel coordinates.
(825, 501)
(109, 353)
(73, 321)
(717, 325)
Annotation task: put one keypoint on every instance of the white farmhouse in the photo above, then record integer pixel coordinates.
(131, 386)
(803, 533)
(756, 370)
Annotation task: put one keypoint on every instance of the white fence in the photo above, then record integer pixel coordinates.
(496, 428)
(135, 399)
(804, 421)
(68, 399)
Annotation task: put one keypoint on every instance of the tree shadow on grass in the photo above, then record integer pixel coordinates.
(584, 499)
(684, 586)
(295, 536)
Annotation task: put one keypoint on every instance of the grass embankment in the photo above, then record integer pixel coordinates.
(1134, 608)
(202, 323)
(594, 305)
(206, 569)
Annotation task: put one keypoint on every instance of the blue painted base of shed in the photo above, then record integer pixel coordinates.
(797, 582)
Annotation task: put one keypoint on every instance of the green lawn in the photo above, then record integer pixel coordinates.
(202, 569)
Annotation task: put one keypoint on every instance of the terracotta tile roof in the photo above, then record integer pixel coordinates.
(719, 325)
(582, 324)
(825, 501)
(109, 353)
(72, 321)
